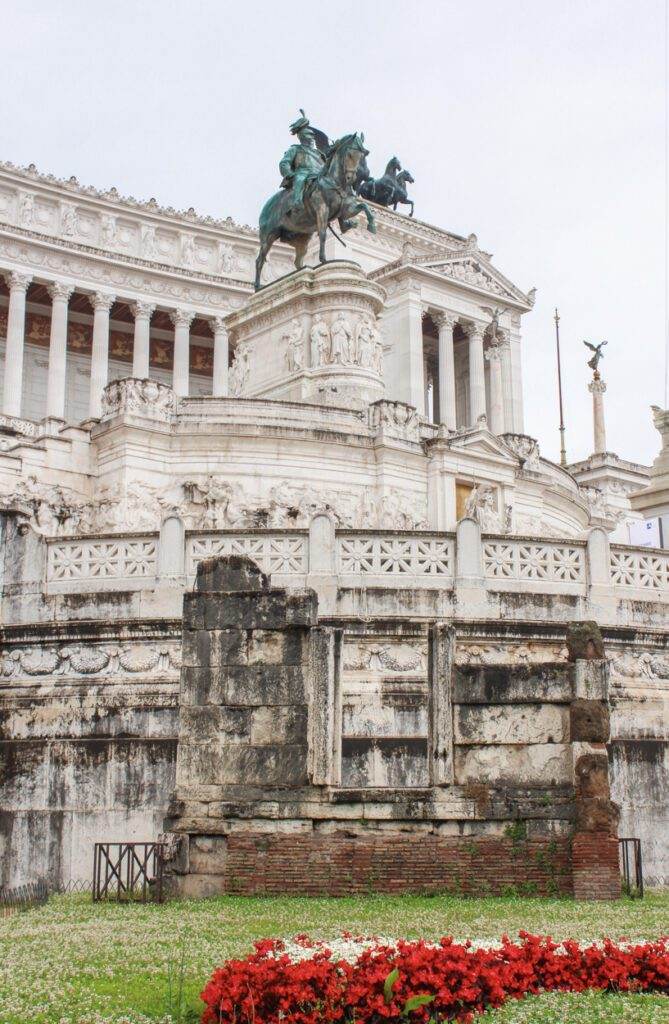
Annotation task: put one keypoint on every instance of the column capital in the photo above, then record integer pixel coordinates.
(218, 324)
(17, 281)
(493, 353)
(473, 328)
(597, 386)
(60, 290)
(182, 317)
(142, 309)
(102, 300)
(443, 318)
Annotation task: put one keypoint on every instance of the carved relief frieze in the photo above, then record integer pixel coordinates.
(374, 656)
(396, 419)
(468, 653)
(147, 398)
(526, 448)
(91, 660)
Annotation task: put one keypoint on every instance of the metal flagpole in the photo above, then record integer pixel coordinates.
(563, 452)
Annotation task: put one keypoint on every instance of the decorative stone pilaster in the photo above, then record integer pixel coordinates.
(16, 325)
(142, 312)
(60, 293)
(221, 357)
(445, 324)
(182, 319)
(494, 357)
(102, 303)
(597, 387)
(477, 405)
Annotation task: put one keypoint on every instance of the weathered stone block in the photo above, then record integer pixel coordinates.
(591, 773)
(513, 684)
(543, 764)
(209, 723)
(230, 573)
(520, 723)
(207, 855)
(271, 610)
(201, 686)
(271, 647)
(584, 641)
(278, 725)
(263, 685)
(597, 814)
(590, 721)
(269, 765)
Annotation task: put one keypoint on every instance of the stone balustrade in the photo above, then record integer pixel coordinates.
(419, 560)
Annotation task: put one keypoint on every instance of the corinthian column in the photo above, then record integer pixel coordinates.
(16, 329)
(445, 323)
(476, 372)
(55, 390)
(142, 312)
(182, 319)
(221, 357)
(494, 357)
(597, 387)
(101, 302)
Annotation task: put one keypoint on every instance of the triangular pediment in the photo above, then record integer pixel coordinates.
(473, 269)
(479, 442)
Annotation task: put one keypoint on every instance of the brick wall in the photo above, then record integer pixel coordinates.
(337, 865)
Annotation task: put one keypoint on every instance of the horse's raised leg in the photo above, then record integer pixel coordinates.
(371, 223)
(300, 243)
(265, 246)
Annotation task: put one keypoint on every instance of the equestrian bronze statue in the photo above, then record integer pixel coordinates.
(390, 190)
(316, 188)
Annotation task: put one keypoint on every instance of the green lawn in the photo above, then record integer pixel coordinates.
(75, 962)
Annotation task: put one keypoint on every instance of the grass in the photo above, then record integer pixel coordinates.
(75, 962)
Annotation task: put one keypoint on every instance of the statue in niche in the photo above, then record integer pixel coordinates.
(26, 209)
(187, 251)
(108, 231)
(319, 337)
(481, 505)
(294, 346)
(341, 334)
(148, 243)
(226, 258)
(240, 369)
(68, 220)
(364, 342)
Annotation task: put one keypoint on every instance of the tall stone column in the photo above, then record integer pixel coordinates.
(494, 357)
(476, 373)
(446, 323)
(597, 387)
(16, 329)
(55, 392)
(101, 302)
(507, 382)
(142, 312)
(221, 357)
(182, 319)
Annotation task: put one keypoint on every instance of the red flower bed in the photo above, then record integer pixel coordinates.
(418, 982)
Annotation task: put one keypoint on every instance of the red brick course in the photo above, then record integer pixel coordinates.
(339, 865)
(596, 867)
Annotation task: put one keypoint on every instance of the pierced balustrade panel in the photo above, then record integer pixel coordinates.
(123, 558)
(406, 556)
(281, 554)
(640, 568)
(542, 562)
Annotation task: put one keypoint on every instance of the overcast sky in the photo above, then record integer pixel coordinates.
(538, 125)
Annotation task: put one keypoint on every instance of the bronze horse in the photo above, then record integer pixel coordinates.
(328, 196)
(390, 189)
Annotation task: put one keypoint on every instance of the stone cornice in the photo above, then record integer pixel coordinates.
(128, 277)
(30, 177)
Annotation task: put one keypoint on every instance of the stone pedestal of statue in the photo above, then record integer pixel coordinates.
(313, 337)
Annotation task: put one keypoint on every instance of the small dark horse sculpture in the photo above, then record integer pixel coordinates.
(390, 189)
(328, 196)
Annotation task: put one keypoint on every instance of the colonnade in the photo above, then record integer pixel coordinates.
(101, 302)
(497, 354)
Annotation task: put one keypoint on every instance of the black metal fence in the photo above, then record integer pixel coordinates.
(128, 871)
(23, 897)
(631, 866)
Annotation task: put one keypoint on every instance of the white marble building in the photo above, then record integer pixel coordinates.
(357, 428)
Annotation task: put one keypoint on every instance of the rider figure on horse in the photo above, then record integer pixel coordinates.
(302, 161)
